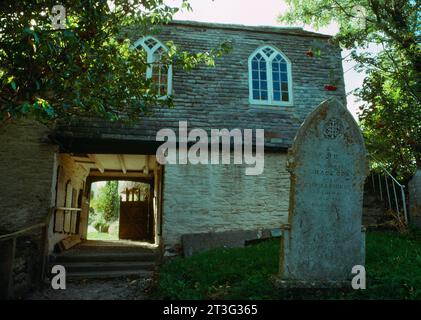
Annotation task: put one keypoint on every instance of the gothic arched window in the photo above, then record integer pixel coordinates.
(270, 80)
(159, 72)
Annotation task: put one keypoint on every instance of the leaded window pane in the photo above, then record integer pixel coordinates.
(259, 77)
(273, 86)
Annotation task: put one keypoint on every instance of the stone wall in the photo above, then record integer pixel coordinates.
(415, 199)
(27, 165)
(215, 198)
(27, 161)
(28, 263)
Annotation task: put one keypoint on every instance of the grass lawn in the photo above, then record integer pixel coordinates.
(393, 265)
(101, 236)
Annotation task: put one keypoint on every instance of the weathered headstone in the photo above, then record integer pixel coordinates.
(328, 164)
(414, 188)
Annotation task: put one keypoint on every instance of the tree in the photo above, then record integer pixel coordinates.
(106, 203)
(88, 68)
(391, 112)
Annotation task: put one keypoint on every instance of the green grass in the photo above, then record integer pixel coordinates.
(101, 236)
(393, 265)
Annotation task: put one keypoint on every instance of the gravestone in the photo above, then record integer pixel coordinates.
(328, 164)
(414, 188)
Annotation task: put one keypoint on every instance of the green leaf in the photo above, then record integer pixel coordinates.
(84, 66)
(49, 111)
(25, 107)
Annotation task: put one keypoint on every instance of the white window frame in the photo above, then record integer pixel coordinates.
(150, 60)
(269, 75)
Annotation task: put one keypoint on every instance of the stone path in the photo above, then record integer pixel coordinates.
(92, 289)
(103, 270)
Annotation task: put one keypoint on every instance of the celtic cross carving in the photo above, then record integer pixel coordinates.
(333, 128)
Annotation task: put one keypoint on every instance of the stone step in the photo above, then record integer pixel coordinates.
(380, 227)
(368, 197)
(373, 204)
(108, 274)
(74, 267)
(370, 221)
(121, 257)
(374, 212)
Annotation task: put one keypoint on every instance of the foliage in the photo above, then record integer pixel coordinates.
(100, 224)
(88, 68)
(91, 215)
(106, 203)
(393, 265)
(391, 110)
(392, 122)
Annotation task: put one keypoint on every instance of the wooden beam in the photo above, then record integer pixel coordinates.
(67, 209)
(83, 161)
(97, 163)
(69, 242)
(122, 164)
(84, 168)
(146, 168)
(119, 174)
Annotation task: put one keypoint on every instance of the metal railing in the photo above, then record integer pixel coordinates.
(8, 254)
(387, 189)
(21, 232)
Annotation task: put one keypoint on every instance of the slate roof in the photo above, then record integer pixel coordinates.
(298, 31)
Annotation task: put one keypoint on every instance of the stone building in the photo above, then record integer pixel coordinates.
(268, 81)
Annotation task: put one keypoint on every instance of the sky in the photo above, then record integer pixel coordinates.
(263, 12)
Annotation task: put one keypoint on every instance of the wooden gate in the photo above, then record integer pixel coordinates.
(136, 218)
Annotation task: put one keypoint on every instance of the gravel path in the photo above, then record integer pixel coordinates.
(90, 289)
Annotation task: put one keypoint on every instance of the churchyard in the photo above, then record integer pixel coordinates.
(146, 157)
(393, 266)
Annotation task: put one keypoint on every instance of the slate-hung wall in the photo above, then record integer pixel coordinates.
(218, 97)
